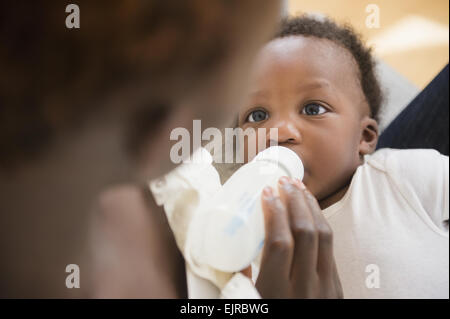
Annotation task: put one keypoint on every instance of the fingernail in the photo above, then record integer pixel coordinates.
(300, 183)
(267, 192)
(284, 180)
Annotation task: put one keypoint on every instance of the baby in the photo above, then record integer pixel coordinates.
(382, 226)
(360, 224)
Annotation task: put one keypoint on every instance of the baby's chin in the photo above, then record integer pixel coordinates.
(314, 185)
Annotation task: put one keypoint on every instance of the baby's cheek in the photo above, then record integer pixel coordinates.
(326, 164)
(322, 180)
(336, 171)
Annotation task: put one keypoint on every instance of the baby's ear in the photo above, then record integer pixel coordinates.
(369, 136)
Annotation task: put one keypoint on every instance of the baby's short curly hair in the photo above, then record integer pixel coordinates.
(346, 37)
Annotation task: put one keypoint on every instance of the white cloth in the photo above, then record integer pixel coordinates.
(182, 192)
(393, 223)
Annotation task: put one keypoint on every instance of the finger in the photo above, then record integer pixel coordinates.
(325, 258)
(303, 230)
(278, 246)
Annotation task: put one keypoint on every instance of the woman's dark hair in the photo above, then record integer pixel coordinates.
(346, 37)
(54, 78)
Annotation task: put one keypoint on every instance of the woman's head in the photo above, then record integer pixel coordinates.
(68, 97)
(149, 65)
(315, 82)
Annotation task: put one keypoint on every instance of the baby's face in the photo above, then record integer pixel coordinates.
(309, 89)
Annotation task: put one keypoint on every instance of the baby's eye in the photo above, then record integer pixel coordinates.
(257, 116)
(313, 109)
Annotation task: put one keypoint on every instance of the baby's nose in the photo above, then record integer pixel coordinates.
(288, 133)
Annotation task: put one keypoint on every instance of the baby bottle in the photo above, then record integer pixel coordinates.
(228, 231)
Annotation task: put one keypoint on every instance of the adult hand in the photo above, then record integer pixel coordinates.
(298, 260)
